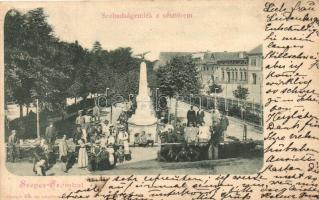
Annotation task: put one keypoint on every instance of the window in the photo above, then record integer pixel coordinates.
(228, 77)
(245, 73)
(223, 75)
(236, 75)
(254, 78)
(253, 62)
(241, 76)
(232, 75)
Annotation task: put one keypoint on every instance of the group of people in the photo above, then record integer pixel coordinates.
(143, 139)
(100, 144)
(195, 117)
(94, 145)
(193, 140)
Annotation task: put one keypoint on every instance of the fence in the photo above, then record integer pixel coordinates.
(250, 111)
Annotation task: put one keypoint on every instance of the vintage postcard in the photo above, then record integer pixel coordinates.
(159, 99)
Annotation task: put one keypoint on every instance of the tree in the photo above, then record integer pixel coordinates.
(36, 63)
(241, 92)
(215, 88)
(97, 47)
(40, 66)
(179, 77)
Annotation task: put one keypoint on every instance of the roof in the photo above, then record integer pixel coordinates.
(212, 57)
(257, 50)
(227, 55)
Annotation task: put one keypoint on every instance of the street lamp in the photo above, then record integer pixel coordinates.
(38, 118)
(106, 93)
(215, 100)
(156, 98)
(190, 99)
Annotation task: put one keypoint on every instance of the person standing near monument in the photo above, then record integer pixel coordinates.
(83, 155)
(85, 127)
(191, 116)
(96, 113)
(215, 117)
(224, 122)
(79, 121)
(50, 134)
(63, 148)
(216, 139)
(200, 116)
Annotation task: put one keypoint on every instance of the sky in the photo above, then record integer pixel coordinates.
(222, 26)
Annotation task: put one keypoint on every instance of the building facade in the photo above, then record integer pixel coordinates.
(228, 69)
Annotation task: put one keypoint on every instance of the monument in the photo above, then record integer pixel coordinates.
(144, 118)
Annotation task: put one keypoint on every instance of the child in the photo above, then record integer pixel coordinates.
(120, 154)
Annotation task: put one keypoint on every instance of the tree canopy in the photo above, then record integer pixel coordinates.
(38, 65)
(178, 77)
(241, 92)
(215, 88)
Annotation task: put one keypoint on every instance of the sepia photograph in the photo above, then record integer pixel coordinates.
(86, 94)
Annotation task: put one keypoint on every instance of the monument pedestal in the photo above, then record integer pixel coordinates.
(144, 118)
(133, 129)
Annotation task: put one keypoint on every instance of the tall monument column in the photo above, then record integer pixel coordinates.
(144, 118)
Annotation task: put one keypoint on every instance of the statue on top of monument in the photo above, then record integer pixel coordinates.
(142, 55)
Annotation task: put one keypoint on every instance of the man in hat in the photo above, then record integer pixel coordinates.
(96, 112)
(200, 116)
(13, 146)
(191, 116)
(50, 134)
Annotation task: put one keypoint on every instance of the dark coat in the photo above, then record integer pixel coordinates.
(77, 136)
(191, 116)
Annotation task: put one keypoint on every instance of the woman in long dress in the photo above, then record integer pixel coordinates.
(83, 155)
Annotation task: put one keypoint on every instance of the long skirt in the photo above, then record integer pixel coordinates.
(83, 157)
